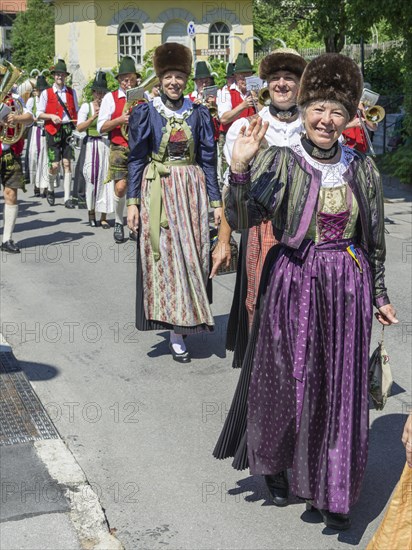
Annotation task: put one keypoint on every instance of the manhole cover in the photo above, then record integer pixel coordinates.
(22, 416)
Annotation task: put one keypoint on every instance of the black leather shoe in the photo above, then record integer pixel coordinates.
(118, 233)
(338, 522)
(36, 191)
(278, 488)
(92, 222)
(50, 198)
(132, 236)
(180, 357)
(69, 204)
(9, 246)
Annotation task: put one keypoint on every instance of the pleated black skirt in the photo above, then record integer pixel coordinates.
(238, 325)
(232, 441)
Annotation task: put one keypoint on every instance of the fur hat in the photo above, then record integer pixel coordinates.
(332, 77)
(282, 59)
(172, 56)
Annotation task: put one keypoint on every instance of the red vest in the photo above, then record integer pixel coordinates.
(236, 99)
(356, 139)
(53, 107)
(116, 134)
(17, 147)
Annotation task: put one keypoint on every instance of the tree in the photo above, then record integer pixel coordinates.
(328, 20)
(273, 26)
(32, 37)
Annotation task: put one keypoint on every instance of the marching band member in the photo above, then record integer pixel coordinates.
(112, 116)
(11, 174)
(202, 78)
(99, 196)
(237, 102)
(36, 147)
(58, 108)
(221, 163)
(354, 135)
(230, 79)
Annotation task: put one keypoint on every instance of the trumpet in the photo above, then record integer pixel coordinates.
(375, 114)
(264, 97)
(134, 96)
(10, 75)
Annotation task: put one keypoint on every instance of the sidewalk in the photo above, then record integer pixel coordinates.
(46, 501)
(395, 191)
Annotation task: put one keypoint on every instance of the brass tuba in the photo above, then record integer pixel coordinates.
(134, 96)
(10, 75)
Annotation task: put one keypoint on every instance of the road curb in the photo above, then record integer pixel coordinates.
(86, 513)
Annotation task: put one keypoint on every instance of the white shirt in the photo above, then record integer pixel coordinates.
(42, 104)
(107, 108)
(30, 104)
(280, 133)
(224, 99)
(83, 113)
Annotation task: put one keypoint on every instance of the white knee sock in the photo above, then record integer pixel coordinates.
(67, 183)
(52, 179)
(10, 217)
(177, 342)
(119, 203)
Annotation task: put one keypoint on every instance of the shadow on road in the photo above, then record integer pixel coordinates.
(37, 372)
(385, 464)
(41, 224)
(59, 237)
(200, 346)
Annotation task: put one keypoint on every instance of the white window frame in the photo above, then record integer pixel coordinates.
(219, 40)
(131, 44)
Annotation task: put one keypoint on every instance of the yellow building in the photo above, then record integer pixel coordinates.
(96, 34)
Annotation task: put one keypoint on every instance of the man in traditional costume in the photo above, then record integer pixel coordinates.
(11, 174)
(58, 108)
(113, 116)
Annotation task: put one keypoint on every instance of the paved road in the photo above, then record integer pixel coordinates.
(141, 426)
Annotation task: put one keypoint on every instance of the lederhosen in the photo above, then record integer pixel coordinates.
(57, 136)
(119, 147)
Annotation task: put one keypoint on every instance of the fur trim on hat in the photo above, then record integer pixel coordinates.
(172, 56)
(282, 59)
(332, 77)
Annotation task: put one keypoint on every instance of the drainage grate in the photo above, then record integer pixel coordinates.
(22, 416)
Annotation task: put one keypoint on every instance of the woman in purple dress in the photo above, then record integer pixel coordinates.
(302, 399)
